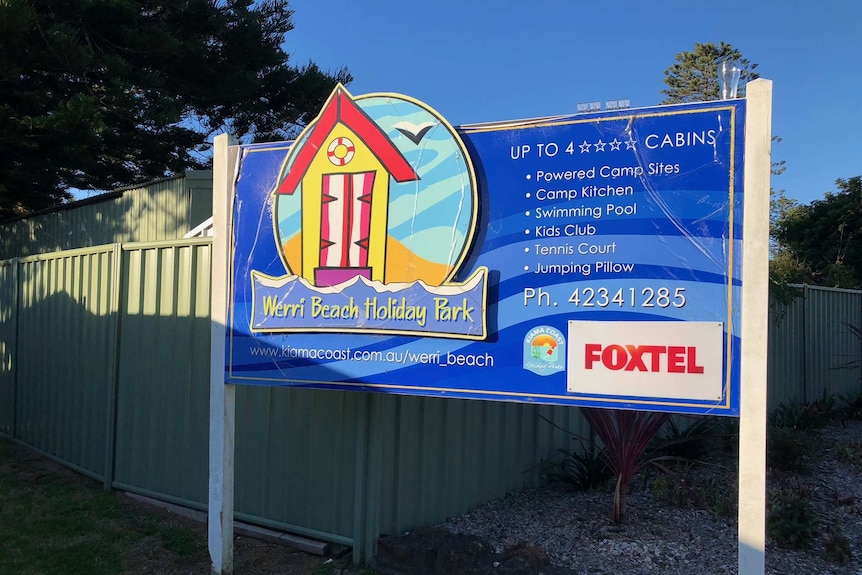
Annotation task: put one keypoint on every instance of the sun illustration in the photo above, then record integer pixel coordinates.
(544, 341)
(544, 347)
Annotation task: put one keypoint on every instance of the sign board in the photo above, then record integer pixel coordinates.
(592, 259)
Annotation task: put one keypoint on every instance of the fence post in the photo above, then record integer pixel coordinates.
(16, 311)
(805, 347)
(360, 504)
(113, 353)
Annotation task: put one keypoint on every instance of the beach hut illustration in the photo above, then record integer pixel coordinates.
(343, 170)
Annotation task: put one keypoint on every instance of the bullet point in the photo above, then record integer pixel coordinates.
(529, 177)
(528, 194)
(526, 268)
(527, 232)
(526, 250)
(527, 214)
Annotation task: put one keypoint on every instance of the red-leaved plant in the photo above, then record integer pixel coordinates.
(626, 435)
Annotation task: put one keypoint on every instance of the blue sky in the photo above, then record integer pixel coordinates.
(482, 60)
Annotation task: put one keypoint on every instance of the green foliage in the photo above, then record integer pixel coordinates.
(836, 546)
(850, 452)
(806, 416)
(687, 489)
(851, 405)
(788, 449)
(583, 468)
(98, 95)
(791, 519)
(686, 441)
(822, 239)
(694, 75)
(727, 432)
(180, 541)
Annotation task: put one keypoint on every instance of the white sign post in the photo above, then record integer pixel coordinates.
(222, 396)
(755, 306)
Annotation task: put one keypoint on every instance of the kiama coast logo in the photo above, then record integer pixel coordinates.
(374, 212)
(544, 350)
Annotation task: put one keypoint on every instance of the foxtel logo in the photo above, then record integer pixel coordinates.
(646, 358)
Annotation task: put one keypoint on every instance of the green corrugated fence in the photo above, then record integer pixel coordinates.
(64, 368)
(104, 365)
(8, 343)
(163, 209)
(111, 373)
(809, 342)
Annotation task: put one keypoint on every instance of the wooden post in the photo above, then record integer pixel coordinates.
(222, 395)
(755, 323)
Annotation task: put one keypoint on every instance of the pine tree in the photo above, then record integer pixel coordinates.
(100, 94)
(694, 75)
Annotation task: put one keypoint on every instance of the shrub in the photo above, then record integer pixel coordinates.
(850, 452)
(687, 489)
(727, 431)
(836, 546)
(583, 468)
(806, 416)
(626, 436)
(686, 442)
(852, 406)
(788, 449)
(792, 521)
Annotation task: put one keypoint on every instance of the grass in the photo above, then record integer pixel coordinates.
(54, 521)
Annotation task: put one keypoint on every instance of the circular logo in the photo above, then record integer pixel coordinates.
(544, 350)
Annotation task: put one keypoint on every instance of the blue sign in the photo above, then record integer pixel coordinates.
(592, 259)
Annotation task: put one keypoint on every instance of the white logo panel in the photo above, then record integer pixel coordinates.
(655, 359)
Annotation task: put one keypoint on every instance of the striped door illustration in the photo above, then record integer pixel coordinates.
(345, 221)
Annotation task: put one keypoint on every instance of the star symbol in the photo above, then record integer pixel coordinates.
(630, 144)
(600, 146)
(615, 145)
(585, 147)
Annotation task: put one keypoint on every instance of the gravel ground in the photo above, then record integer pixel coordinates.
(575, 530)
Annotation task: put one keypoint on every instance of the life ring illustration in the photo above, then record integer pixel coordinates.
(340, 151)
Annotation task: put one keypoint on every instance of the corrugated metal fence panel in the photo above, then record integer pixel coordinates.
(296, 456)
(199, 188)
(165, 209)
(65, 363)
(163, 390)
(786, 356)
(439, 457)
(8, 314)
(829, 344)
(162, 210)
